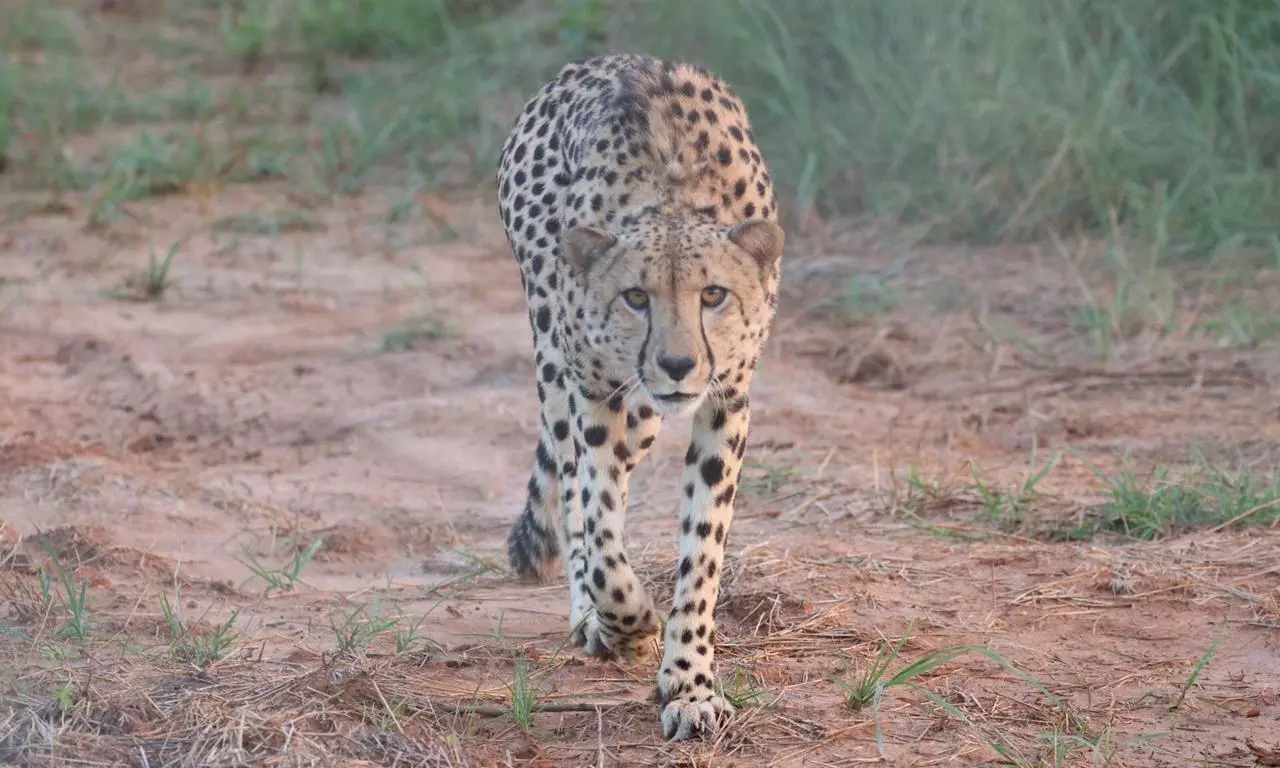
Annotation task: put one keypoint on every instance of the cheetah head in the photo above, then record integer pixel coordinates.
(676, 310)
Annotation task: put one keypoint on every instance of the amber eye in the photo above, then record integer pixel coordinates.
(635, 298)
(713, 296)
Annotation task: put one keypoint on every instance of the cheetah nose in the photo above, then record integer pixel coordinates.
(676, 367)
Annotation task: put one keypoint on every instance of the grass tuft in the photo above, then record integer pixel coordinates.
(287, 577)
(1162, 504)
(190, 644)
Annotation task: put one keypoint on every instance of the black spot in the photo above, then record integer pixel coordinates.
(686, 565)
(561, 430)
(545, 462)
(683, 664)
(597, 576)
(691, 456)
(704, 529)
(544, 319)
(619, 596)
(687, 637)
(713, 471)
(621, 451)
(595, 435)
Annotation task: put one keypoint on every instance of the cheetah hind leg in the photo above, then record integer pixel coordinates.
(533, 546)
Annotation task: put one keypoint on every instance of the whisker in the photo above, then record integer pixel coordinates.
(632, 389)
(716, 390)
(630, 381)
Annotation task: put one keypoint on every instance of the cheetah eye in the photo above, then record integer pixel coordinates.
(713, 296)
(635, 298)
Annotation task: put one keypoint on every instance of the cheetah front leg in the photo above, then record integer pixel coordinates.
(625, 623)
(686, 684)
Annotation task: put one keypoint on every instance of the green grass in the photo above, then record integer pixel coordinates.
(74, 608)
(1196, 670)
(354, 631)
(1163, 502)
(744, 690)
(286, 577)
(985, 120)
(1010, 508)
(421, 328)
(523, 695)
(979, 121)
(1238, 325)
(868, 687)
(191, 645)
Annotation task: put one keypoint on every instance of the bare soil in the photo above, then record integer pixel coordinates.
(271, 398)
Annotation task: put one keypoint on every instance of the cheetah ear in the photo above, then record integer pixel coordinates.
(581, 245)
(760, 238)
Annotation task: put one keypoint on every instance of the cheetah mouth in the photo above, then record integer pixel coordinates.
(677, 398)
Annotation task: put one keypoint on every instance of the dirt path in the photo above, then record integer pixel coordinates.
(369, 386)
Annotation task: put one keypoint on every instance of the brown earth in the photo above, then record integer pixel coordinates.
(160, 447)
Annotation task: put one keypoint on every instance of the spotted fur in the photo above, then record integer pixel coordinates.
(644, 223)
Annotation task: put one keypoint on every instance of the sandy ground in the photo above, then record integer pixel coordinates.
(370, 387)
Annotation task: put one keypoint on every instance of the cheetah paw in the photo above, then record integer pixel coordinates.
(684, 719)
(593, 638)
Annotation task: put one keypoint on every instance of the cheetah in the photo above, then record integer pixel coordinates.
(645, 227)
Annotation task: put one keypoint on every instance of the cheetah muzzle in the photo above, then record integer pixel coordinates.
(644, 223)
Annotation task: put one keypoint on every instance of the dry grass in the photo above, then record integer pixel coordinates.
(114, 701)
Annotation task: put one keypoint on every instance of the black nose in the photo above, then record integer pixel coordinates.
(676, 367)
